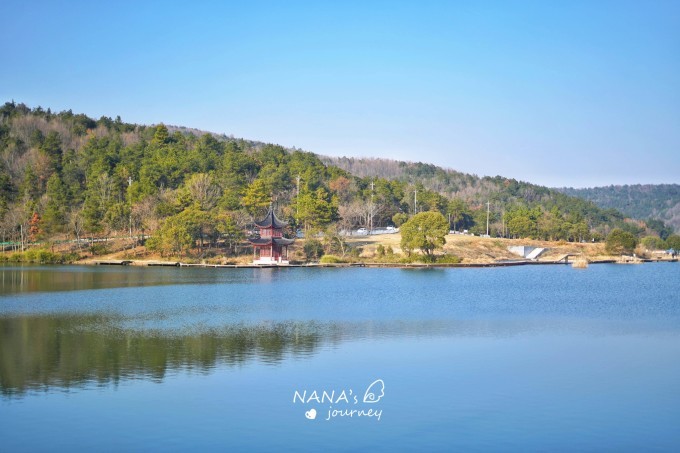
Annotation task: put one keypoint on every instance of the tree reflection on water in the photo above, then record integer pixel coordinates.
(38, 352)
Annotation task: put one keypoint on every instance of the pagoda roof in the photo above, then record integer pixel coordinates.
(271, 221)
(271, 240)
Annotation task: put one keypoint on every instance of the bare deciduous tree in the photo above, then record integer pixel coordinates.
(104, 187)
(204, 191)
(77, 223)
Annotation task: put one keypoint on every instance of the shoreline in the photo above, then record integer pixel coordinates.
(507, 263)
(473, 252)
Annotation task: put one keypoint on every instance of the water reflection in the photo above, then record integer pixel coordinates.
(67, 351)
(217, 318)
(70, 351)
(35, 278)
(38, 352)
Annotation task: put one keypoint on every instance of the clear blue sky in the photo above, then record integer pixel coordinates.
(576, 93)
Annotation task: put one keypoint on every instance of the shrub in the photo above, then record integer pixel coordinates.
(313, 249)
(16, 257)
(45, 256)
(69, 257)
(29, 256)
(99, 249)
(331, 259)
(448, 259)
(417, 258)
(42, 256)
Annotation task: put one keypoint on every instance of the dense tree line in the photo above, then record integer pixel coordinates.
(68, 175)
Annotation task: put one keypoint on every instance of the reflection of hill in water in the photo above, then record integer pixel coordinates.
(15, 279)
(75, 350)
(66, 350)
(37, 352)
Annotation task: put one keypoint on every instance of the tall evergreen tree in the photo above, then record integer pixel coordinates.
(54, 218)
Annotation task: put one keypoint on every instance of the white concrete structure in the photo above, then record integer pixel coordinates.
(530, 253)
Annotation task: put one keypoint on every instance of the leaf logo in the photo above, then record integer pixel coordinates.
(374, 392)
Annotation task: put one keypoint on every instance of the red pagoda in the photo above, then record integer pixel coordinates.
(269, 246)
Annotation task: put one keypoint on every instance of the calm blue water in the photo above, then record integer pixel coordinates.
(534, 358)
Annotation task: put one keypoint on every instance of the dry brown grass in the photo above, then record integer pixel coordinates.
(475, 249)
(370, 243)
(580, 263)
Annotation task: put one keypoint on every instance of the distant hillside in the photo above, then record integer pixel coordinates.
(503, 193)
(655, 201)
(442, 180)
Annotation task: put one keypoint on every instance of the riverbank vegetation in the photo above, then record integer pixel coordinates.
(88, 184)
(39, 256)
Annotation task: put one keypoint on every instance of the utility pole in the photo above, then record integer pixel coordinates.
(370, 220)
(488, 208)
(130, 184)
(415, 202)
(297, 205)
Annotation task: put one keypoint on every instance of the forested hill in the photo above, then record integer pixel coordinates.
(656, 201)
(650, 202)
(68, 175)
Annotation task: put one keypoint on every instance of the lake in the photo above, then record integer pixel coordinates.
(529, 358)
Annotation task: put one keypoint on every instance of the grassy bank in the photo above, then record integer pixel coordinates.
(39, 256)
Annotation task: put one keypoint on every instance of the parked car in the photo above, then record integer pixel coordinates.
(362, 231)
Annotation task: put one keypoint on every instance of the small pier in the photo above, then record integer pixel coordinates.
(565, 258)
(113, 262)
(162, 263)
